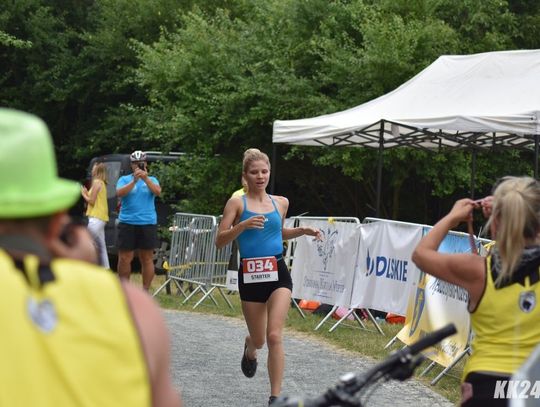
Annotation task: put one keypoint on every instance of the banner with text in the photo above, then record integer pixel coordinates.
(435, 303)
(324, 270)
(385, 273)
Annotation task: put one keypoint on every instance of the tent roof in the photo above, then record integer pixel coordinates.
(480, 101)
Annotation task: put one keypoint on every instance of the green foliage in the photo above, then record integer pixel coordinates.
(210, 78)
(11, 41)
(218, 80)
(486, 25)
(197, 184)
(527, 14)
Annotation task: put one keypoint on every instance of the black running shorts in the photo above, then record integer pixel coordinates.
(260, 292)
(481, 390)
(133, 237)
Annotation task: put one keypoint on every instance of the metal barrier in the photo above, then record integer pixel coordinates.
(218, 276)
(194, 258)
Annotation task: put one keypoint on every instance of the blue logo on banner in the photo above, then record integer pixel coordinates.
(419, 302)
(388, 267)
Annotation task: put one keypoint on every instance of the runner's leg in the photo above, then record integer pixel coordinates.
(278, 306)
(255, 316)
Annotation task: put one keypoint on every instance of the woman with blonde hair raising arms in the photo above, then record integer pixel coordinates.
(255, 220)
(503, 288)
(97, 210)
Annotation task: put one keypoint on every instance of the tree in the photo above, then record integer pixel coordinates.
(210, 78)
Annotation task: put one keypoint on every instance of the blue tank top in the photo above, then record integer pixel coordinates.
(261, 242)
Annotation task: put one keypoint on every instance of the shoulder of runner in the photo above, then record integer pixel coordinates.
(234, 204)
(282, 202)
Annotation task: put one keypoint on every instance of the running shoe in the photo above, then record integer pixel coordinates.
(249, 367)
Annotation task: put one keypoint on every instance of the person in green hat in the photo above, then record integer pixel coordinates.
(71, 331)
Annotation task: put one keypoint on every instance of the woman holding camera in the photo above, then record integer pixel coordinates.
(503, 288)
(137, 230)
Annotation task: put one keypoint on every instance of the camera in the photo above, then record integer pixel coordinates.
(67, 233)
(141, 166)
(478, 203)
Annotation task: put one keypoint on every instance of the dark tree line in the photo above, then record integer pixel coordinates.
(209, 78)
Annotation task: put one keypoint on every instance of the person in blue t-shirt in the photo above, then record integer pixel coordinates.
(137, 229)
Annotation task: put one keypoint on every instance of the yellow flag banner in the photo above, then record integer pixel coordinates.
(433, 304)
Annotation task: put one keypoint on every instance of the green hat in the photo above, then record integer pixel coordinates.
(29, 182)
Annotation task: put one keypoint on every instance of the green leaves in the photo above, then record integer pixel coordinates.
(11, 41)
(210, 78)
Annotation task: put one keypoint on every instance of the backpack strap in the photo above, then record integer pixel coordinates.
(19, 247)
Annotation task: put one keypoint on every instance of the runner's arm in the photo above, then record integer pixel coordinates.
(292, 233)
(227, 232)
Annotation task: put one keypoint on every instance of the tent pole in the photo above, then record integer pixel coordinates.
(473, 172)
(273, 172)
(379, 170)
(536, 156)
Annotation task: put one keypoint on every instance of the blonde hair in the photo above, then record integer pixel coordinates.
(516, 209)
(100, 171)
(251, 155)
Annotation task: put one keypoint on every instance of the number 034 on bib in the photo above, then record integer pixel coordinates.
(260, 270)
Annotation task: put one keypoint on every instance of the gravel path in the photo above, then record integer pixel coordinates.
(206, 367)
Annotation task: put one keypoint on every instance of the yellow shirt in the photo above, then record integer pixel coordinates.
(505, 332)
(99, 209)
(238, 192)
(72, 342)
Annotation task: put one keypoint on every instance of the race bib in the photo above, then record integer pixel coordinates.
(260, 270)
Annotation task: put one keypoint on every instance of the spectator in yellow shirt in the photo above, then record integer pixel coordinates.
(98, 210)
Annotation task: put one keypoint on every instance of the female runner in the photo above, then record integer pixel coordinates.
(255, 220)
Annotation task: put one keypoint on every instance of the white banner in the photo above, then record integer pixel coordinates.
(385, 273)
(324, 270)
(232, 280)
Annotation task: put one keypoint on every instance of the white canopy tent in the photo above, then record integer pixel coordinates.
(481, 101)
